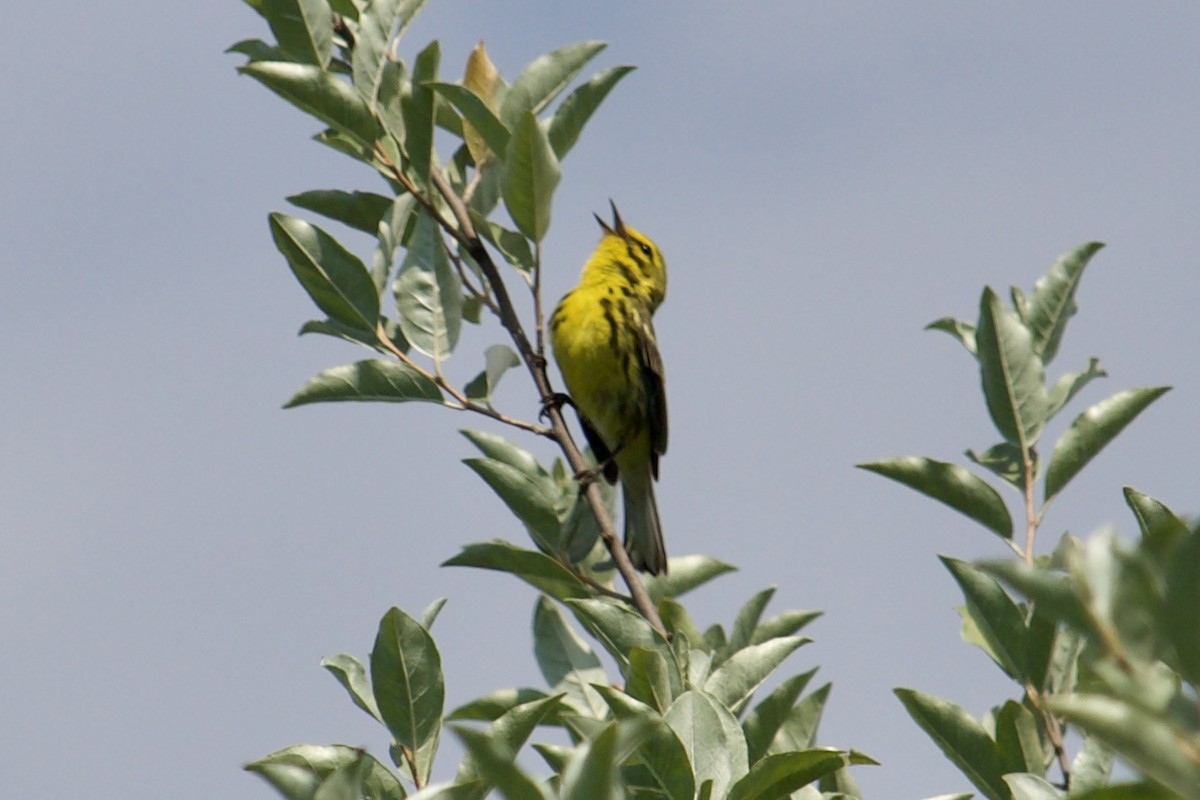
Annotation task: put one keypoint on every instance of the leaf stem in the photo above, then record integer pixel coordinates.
(464, 403)
(1031, 517)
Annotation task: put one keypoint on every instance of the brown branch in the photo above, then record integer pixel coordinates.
(412, 766)
(1053, 727)
(1031, 519)
(536, 363)
(464, 403)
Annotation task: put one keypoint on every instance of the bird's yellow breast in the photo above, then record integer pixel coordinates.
(590, 332)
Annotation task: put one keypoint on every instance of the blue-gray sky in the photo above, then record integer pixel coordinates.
(824, 180)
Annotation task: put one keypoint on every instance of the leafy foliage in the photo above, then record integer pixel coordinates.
(1100, 636)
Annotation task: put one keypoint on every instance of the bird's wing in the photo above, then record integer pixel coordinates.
(656, 392)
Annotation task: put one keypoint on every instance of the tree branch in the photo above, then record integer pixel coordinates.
(536, 364)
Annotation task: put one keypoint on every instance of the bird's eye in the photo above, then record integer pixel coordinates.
(645, 248)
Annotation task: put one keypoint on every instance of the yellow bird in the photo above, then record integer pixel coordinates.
(604, 344)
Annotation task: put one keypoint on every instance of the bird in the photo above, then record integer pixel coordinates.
(603, 340)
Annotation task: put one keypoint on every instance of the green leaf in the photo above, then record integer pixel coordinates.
(1147, 740)
(999, 620)
(1068, 385)
(580, 531)
(537, 569)
(531, 500)
(498, 448)
(406, 673)
(373, 380)
(345, 782)
(799, 730)
(530, 178)
(784, 623)
(616, 627)
(1018, 741)
(1032, 787)
(746, 622)
(512, 729)
(1181, 608)
(712, 739)
(1012, 373)
(779, 775)
(591, 771)
(1161, 529)
(735, 681)
(395, 90)
(1051, 591)
(430, 614)
(660, 766)
(498, 359)
(374, 38)
(1092, 766)
(953, 485)
(298, 771)
(333, 277)
(686, 573)
(567, 662)
(679, 623)
(495, 704)
(1091, 431)
(512, 245)
(395, 226)
(578, 107)
(359, 210)
(652, 679)
(257, 50)
(495, 763)
(1005, 461)
(347, 333)
(321, 94)
(476, 112)
(1053, 301)
(960, 738)
(429, 293)
(346, 8)
(541, 81)
(766, 718)
(304, 29)
(1142, 790)
(963, 332)
(352, 675)
(1042, 643)
(419, 109)
(554, 755)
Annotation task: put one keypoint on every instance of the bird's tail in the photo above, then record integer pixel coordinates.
(643, 531)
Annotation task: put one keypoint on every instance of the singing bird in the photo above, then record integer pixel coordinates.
(604, 344)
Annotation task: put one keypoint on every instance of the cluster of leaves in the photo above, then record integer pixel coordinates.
(384, 114)
(1133, 615)
(683, 725)
(1097, 636)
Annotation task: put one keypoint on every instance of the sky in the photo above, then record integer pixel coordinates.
(823, 178)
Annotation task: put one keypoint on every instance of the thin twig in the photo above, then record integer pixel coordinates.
(412, 766)
(1031, 519)
(461, 401)
(539, 325)
(1051, 724)
(1053, 728)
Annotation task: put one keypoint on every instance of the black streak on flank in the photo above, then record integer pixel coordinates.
(613, 333)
